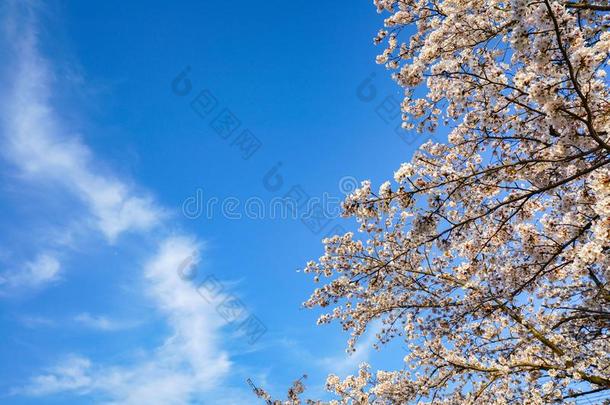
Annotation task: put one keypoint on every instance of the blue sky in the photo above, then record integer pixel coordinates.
(112, 272)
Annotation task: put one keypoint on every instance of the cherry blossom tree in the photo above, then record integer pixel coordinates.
(488, 256)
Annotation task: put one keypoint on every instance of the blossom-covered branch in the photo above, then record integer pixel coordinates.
(488, 255)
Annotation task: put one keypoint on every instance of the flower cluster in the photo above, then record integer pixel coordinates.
(489, 255)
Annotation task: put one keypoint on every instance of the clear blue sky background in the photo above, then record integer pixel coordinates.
(290, 72)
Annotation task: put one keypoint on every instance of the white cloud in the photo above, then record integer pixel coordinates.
(102, 322)
(34, 321)
(44, 269)
(194, 320)
(39, 145)
(72, 374)
(189, 362)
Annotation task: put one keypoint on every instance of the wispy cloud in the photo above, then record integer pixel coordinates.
(348, 363)
(43, 149)
(102, 322)
(34, 321)
(72, 374)
(342, 364)
(189, 363)
(43, 270)
(191, 359)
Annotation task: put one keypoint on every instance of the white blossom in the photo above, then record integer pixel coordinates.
(490, 255)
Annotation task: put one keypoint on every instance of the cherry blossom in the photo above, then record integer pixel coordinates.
(488, 255)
